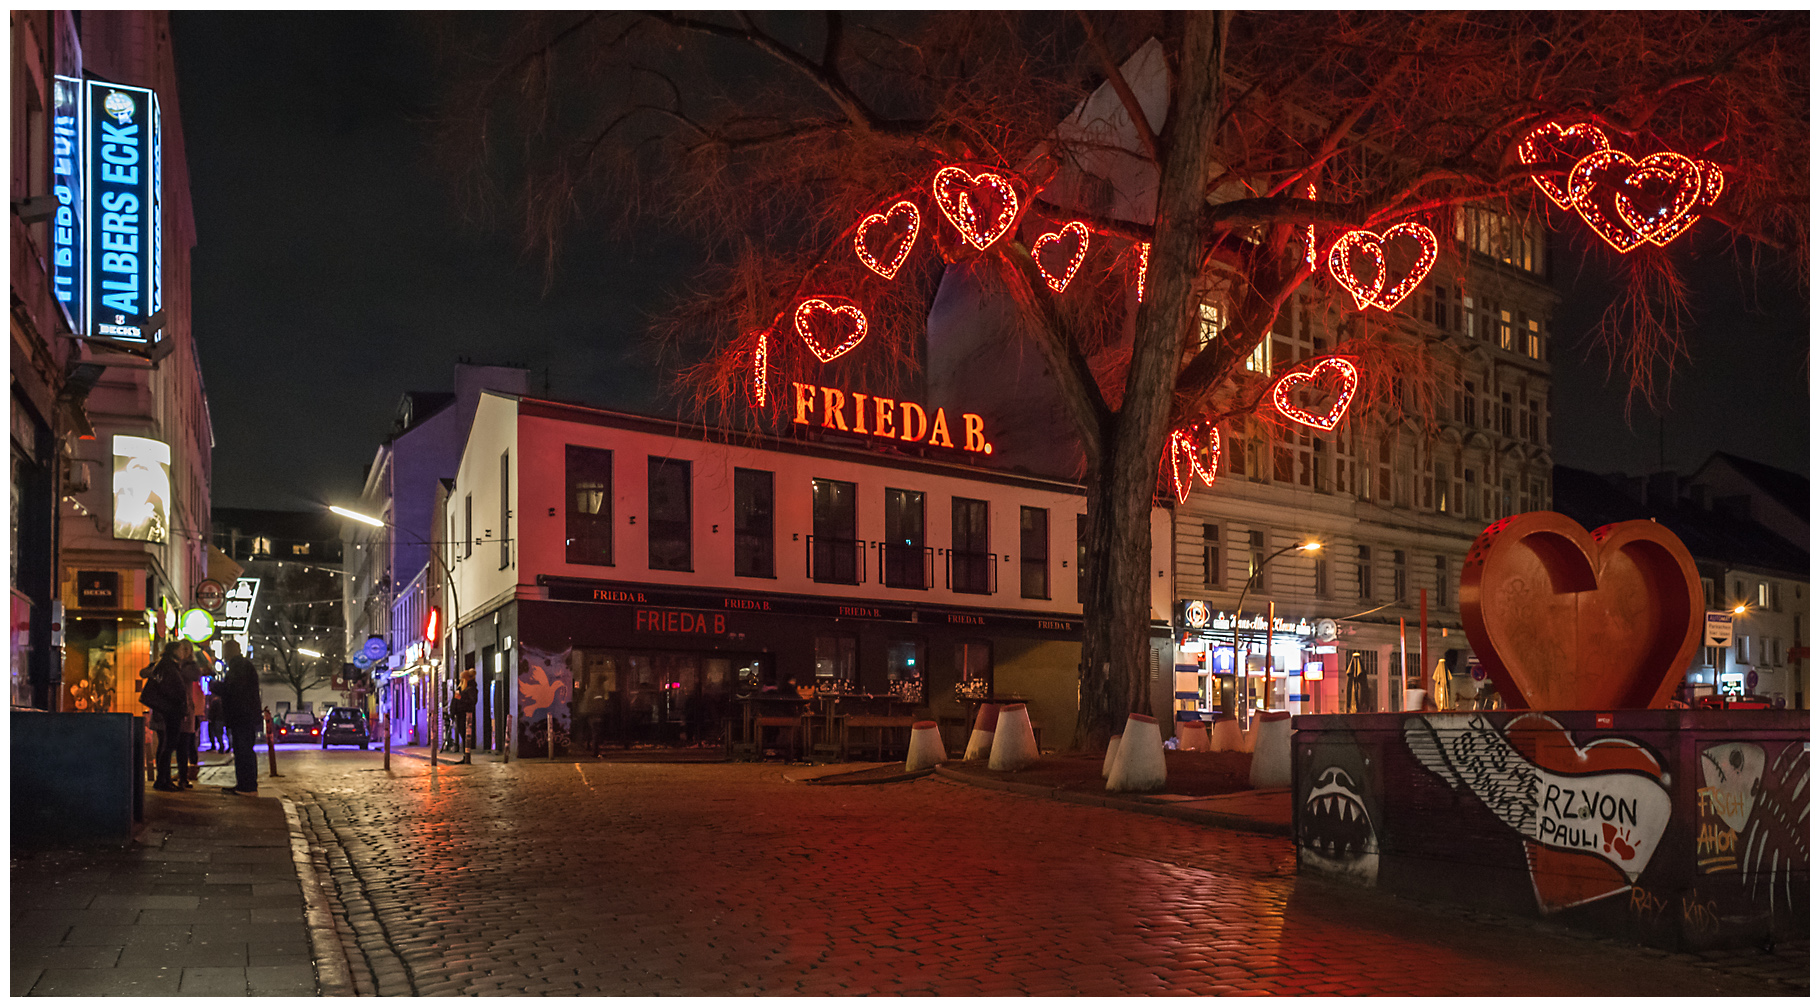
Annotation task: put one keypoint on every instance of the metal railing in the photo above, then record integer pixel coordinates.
(835, 560)
(906, 566)
(971, 572)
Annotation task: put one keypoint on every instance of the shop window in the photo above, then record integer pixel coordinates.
(754, 537)
(834, 546)
(1210, 555)
(1364, 573)
(1033, 551)
(906, 559)
(973, 660)
(589, 473)
(668, 497)
(835, 657)
(970, 566)
(904, 670)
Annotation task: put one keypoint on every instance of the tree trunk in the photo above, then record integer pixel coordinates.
(1114, 672)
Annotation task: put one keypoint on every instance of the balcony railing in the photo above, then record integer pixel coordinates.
(906, 566)
(972, 572)
(836, 560)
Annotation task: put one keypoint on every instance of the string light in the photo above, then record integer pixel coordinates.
(1184, 450)
(1308, 373)
(761, 360)
(958, 193)
(1081, 238)
(1712, 182)
(1529, 151)
(1339, 263)
(906, 223)
(1625, 227)
(815, 312)
(1143, 267)
(1309, 254)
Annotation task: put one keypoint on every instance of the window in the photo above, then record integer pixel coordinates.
(1775, 597)
(1472, 406)
(906, 563)
(1210, 555)
(588, 527)
(1212, 321)
(1285, 464)
(834, 545)
(1384, 449)
(505, 509)
(300, 548)
(973, 659)
(1532, 342)
(904, 670)
(1706, 588)
(969, 562)
(1504, 330)
(834, 659)
(1365, 573)
(754, 537)
(1442, 582)
(1033, 551)
(1399, 575)
(670, 545)
(1080, 558)
(1762, 595)
(1322, 588)
(467, 508)
(1256, 573)
(1535, 421)
(1741, 649)
(1469, 327)
(1472, 494)
(1504, 415)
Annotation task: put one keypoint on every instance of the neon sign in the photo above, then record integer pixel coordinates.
(123, 281)
(66, 184)
(238, 609)
(877, 416)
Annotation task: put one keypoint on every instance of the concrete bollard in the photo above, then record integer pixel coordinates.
(1270, 754)
(925, 746)
(979, 743)
(1226, 736)
(1140, 766)
(1112, 756)
(1191, 736)
(1013, 742)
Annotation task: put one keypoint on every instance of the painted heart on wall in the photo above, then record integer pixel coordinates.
(830, 330)
(1567, 620)
(883, 240)
(982, 207)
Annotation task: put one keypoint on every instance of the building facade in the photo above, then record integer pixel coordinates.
(291, 567)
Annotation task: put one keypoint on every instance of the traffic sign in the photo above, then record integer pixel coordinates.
(1750, 680)
(1718, 629)
(211, 595)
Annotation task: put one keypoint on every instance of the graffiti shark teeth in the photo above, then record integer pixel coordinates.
(1335, 831)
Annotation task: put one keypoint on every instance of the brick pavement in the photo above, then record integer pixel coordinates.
(727, 879)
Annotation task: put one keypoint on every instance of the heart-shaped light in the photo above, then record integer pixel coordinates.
(1612, 212)
(761, 361)
(1712, 183)
(1553, 142)
(1566, 620)
(1185, 452)
(1317, 373)
(883, 240)
(830, 330)
(1070, 246)
(981, 207)
(1376, 294)
(1143, 267)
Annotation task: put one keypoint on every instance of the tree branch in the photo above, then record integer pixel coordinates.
(1116, 77)
(850, 104)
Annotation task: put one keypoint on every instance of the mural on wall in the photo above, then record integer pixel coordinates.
(1335, 830)
(1590, 815)
(544, 687)
(1753, 822)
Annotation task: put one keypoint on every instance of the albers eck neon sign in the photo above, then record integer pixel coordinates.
(877, 416)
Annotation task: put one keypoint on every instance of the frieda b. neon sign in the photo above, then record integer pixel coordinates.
(889, 419)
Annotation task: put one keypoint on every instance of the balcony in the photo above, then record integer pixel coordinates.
(907, 566)
(972, 572)
(836, 560)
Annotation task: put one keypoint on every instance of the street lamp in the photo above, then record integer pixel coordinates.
(306, 652)
(1243, 701)
(448, 576)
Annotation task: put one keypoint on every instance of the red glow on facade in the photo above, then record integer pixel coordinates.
(1185, 454)
(830, 330)
(898, 228)
(1074, 231)
(981, 207)
(1309, 373)
(1376, 294)
(1548, 142)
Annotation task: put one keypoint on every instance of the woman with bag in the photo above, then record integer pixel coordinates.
(168, 699)
(466, 698)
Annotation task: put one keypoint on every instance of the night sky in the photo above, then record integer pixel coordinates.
(335, 270)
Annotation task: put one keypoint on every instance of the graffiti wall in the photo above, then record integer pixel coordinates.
(1677, 828)
(545, 685)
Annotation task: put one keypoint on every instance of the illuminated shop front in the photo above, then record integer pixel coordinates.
(1281, 668)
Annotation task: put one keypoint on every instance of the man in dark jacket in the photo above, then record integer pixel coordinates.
(165, 696)
(240, 710)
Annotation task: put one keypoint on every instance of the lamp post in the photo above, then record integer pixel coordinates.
(1243, 701)
(448, 576)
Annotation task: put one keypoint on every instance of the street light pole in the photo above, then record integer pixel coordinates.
(1243, 674)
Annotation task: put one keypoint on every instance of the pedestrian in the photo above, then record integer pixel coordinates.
(240, 713)
(194, 706)
(217, 729)
(594, 712)
(164, 695)
(462, 706)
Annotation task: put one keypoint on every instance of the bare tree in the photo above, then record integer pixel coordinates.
(768, 139)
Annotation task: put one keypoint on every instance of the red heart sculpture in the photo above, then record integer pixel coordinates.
(1184, 451)
(900, 225)
(1375, 294)
(846, 323)
(1564, 620)
(1612, 211)
(1073, 233)
(1552, 142)
(981, 207)
(1309, 373)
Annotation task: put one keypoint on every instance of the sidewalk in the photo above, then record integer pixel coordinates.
(1261, 811)
(205, 902)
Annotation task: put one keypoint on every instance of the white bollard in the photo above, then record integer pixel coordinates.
(1226, 736)
(1270, 755)
(925, 747)
(1112, 757)
(1140, 767)
(1191, 736)
(1013, 742)
(979, 743)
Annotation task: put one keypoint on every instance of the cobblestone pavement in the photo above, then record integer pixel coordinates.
(726, 879)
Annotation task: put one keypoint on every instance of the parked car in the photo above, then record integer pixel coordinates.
(1735, 702)
(345, 726)
(299, 725)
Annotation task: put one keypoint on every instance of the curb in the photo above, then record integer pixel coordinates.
(1237, 823)
(334, 978)
(838, 779)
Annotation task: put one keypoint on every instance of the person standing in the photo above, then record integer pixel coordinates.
(217, 730)
(466, 698)
(240, 712)
(164, 695)
(194, 706)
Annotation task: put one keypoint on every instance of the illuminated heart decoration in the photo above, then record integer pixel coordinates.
(1622, 224)
(1073, 233)
(900, 225)
(1313, 373)
(1309, 254)
(761, 361)
(1143, 267)
(1184, 452)
(1712, 183)
(1566, 620)
(845, 326)
(981, 207)
(1375, 294)
(1552, 142)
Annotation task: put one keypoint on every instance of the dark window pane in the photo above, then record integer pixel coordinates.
(753, 538)
(670, 545)
(834, 551)
(970, 563)
(589, 495)
(1033, 551)
(905, 559)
